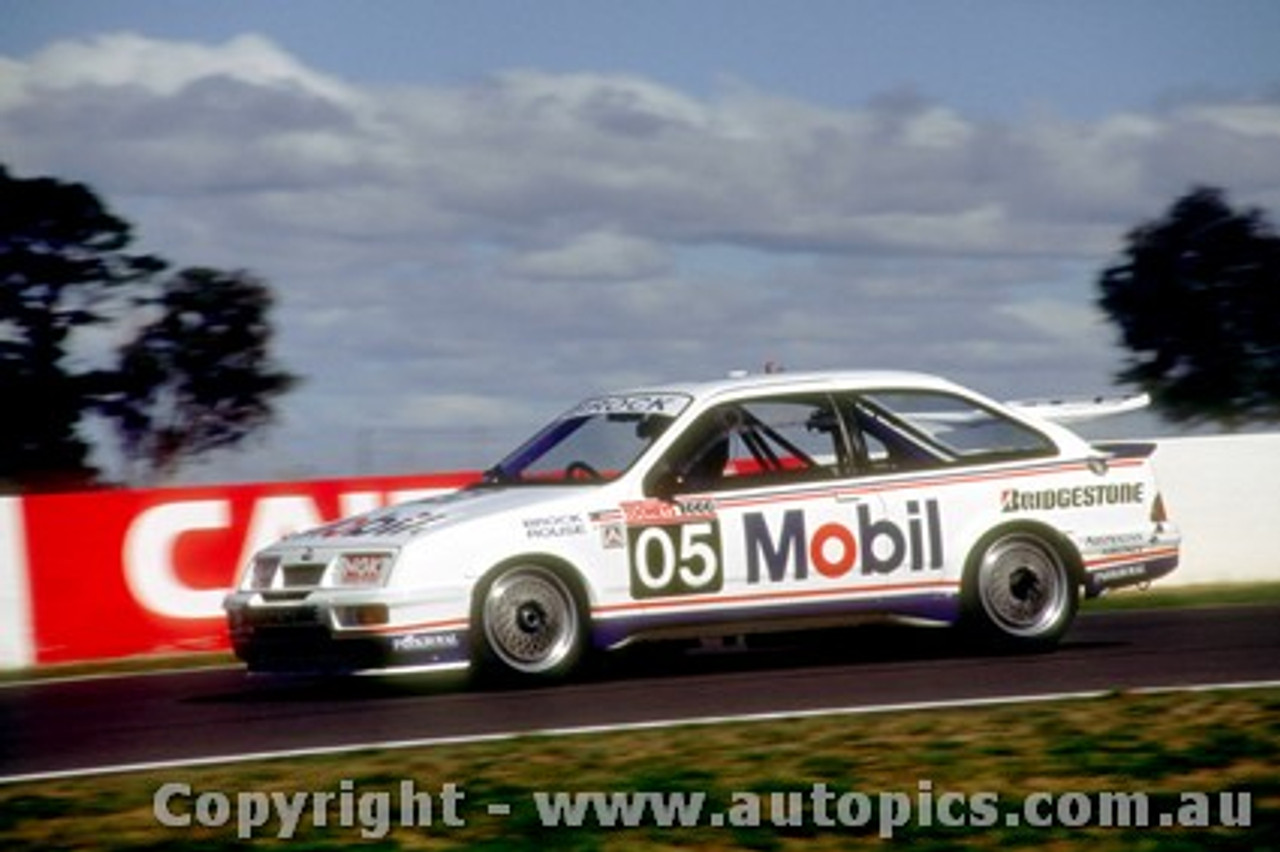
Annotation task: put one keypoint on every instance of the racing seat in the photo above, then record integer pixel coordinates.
(707, 469)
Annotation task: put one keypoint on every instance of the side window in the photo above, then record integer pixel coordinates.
(947, 427)
(882, 445)
(759, 442)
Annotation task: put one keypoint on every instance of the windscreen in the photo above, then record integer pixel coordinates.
(596, 441)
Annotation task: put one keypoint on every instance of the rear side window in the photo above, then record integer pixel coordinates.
(962, 429)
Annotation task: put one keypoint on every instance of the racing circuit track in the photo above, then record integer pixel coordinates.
(116, 722)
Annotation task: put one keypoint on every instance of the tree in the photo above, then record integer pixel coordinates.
(1197, 300)
(199, 377)
(62, 261)
(68, 287)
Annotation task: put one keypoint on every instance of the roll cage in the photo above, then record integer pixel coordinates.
(732, 445)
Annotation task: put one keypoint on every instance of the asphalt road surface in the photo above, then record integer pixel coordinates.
(125, 721)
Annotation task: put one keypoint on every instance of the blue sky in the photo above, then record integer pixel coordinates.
(1001, 56)
(473, 213)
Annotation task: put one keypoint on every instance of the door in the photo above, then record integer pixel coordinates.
(760, 513)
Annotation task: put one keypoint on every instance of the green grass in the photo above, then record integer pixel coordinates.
(1207, 594)
(1160, 745)
(127, 665)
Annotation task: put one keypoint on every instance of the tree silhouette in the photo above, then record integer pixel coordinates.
(199, 376)
(1197, 300)
(62, 266)
(69, 289)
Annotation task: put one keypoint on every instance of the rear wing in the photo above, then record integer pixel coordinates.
(1081, 409)
(1127, 449)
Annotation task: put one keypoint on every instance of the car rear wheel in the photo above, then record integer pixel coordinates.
(1020, 593)
(532, 626)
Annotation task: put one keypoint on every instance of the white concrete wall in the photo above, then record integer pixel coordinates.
(16, 649)
(1224, 492)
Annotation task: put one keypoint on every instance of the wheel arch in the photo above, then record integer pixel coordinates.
(990, 630)
(583, 592)
(1055, 538)
(489, 663)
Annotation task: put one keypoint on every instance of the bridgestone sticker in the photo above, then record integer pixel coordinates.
(1080, 497)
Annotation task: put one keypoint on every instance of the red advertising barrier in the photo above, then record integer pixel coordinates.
(120, 573)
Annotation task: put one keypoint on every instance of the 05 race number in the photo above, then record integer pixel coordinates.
(679, 559)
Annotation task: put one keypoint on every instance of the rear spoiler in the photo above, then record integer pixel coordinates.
(1127, 449)
(1080, 409)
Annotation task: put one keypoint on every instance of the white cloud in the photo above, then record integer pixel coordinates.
(438, 248)
(596, 255)
(530, 159)
(1070, 323)
(164, 68)
(446, 411)
(1249, 119)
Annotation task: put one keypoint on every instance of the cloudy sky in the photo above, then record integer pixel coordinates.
(474, 213)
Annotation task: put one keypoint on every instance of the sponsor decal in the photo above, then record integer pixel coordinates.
(649, 512)
(671, 559)
(1115, 543)
(871, 546)
(641, 512)
(669, 404)
(556, 526)
(380, 524)
(425, 642)
(363, 569)
(613, 537)
(1079, 497)
(697, 507)
(1120, 572)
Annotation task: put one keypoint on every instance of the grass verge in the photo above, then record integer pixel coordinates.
(1158, 745)
(1207, 594)
(126, 665)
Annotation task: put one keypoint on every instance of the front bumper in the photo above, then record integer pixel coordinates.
(309, 637)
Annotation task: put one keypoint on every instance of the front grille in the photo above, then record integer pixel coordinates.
(309, 649)
(291, 596)
(282, 616)
(303, 575)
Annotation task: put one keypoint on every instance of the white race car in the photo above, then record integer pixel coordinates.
(733, 507)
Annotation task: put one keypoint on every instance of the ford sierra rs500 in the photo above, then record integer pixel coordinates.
(723, 508)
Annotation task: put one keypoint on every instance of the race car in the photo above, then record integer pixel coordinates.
(733, 507)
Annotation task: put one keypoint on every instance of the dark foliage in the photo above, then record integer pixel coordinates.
(199, 377)
(1197, 300)
(68, 284)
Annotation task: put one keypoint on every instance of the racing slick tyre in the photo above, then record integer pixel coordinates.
(1019, 593)
(531, 626)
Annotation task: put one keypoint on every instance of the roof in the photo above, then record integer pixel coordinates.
(812, 380)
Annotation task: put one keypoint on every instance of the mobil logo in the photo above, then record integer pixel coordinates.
(872, 546)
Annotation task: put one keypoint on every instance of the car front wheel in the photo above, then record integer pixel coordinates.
(1019, 593)
(531, 625)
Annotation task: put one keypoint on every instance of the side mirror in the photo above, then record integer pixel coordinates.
(663, 484)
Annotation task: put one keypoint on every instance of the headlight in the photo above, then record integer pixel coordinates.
(263, 571)
(363, 569)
